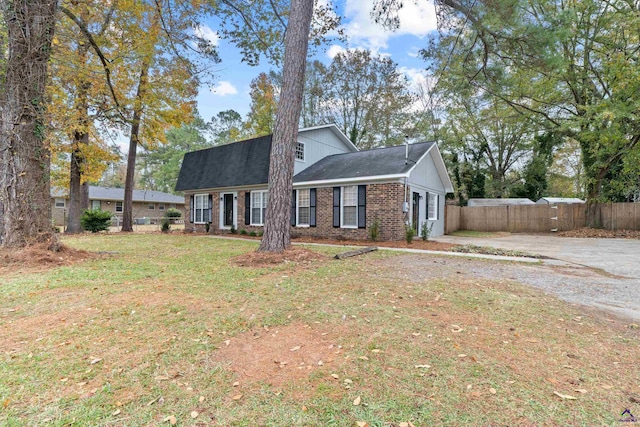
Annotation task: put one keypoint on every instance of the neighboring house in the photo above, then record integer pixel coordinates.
(499, 202)
(146, 203)
(338, 191)
(559, 200)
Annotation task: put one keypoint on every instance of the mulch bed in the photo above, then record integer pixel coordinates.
(39, 257)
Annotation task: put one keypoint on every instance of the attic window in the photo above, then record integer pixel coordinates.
(300, 151)
(59, 203)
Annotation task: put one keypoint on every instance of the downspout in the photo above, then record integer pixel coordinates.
(405, 205)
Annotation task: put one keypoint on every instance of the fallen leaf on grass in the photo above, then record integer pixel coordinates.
(356, 401)
(237, 397)
(422, 366)
(492, 390)
(564, 396)
(194, 414)
(362, 424)
(171, 419)
(607, 387)
(296, 348)
(236, 384)
(580, 390)
(376, 350)
(116, 412)
(95, 360)
(335, 376)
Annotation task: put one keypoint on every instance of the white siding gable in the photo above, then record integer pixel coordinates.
(425, 178)
(319, 143)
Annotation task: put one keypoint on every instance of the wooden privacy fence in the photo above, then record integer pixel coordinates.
(540, 218)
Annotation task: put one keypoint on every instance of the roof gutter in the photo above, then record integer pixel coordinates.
(342, 181)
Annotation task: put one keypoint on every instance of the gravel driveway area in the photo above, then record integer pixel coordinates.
(602, 273)
(571, 283)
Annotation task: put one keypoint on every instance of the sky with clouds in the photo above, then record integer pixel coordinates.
(417, 20)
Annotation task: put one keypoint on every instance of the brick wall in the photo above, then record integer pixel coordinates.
(384, 204)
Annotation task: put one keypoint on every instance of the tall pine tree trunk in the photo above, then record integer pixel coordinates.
(127, 211)
(25, 201)
(78, 200)
(277, 236)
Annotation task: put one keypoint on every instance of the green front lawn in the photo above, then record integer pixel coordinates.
(166, 328)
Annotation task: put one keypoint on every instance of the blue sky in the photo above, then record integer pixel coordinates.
(230, 90)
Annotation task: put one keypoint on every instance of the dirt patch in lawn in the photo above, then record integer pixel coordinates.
(601, 234)
(279, 355)
(269, 259)
(38, 257)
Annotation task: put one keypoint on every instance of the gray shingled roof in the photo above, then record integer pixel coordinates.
(376, 162)
(117, 194)
(231, 165)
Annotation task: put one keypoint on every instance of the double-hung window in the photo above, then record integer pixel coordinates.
(118, 206)
(350, 206)
(304, 207)
(258, 207)
(201, 208)
(432, 210)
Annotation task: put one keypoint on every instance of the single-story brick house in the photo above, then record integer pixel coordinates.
(338, 191)
(146, 203)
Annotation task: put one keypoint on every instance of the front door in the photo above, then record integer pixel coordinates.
(415, 218)
(227, 205)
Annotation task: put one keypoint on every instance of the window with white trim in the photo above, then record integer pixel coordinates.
(258, 207)
(160, 206)
(59, 203)
(300, 151)
(118, 206)
(200, 208)
(433, 207)
(304, 206)
(152, 206)
(350, 206)
(95, 205)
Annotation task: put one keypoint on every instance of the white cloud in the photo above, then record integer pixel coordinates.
(335, 50)
(416, 76)
(224, 88)
(415, 19)
(207, 33)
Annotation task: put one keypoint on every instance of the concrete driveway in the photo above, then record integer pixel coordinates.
(620, 257)
(602, 273)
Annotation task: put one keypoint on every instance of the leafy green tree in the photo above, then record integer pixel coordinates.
(494, 134)
(535, 182)
(226, 126)
(261, 118)
(368, 98)
(571, 64)
(315, 93)
(160, 167)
